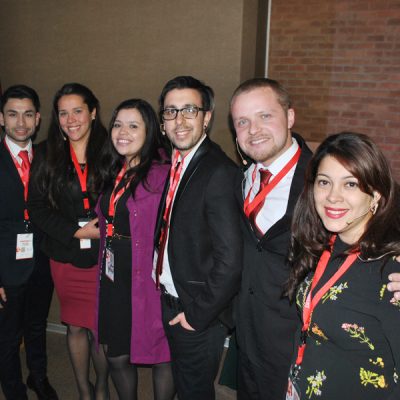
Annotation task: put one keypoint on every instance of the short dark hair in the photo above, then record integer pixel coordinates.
(188, 82)
(281, 93)
(20, 92)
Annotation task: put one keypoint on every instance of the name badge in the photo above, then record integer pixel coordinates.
(109, 264)
(24, 248)
(84, 243)
(293, 390)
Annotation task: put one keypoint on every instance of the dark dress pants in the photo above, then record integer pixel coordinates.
(24, 316)
(256, 382)
(195, 356)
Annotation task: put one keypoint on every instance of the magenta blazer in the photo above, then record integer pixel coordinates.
(148, 342)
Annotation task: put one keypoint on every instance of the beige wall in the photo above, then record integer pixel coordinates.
(128, 48)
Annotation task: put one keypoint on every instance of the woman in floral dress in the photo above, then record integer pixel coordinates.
(346, 231)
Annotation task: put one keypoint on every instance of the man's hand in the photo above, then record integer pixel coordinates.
(394, 285)
(180, 319)
(3, 296)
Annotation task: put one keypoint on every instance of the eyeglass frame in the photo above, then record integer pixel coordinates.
(179, 110)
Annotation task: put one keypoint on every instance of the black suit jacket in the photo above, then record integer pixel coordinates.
(266, 322)
(205, 244)
(12, 204)
(60, 224)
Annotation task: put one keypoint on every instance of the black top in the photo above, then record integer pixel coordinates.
(353, 347)
(61, 223)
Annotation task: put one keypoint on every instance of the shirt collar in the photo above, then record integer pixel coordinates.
(15, 149)
(282, 160)
(192, 152)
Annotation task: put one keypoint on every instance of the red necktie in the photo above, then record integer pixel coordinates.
(265, 176)
(175, 174)
(25, 165)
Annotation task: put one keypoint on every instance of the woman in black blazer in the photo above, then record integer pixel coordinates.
(66, 179)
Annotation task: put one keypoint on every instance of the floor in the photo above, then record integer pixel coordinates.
(61, 376)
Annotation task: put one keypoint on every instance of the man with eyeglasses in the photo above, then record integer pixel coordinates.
(198, 238)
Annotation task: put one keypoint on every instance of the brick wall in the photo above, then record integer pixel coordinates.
(340, 60)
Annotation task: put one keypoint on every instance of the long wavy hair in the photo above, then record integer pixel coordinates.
(151, 151)
(362, 157)
(57, 170)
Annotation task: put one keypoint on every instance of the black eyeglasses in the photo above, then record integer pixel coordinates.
(188, 112)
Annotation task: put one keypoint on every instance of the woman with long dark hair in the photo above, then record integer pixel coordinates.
(67, 176)
(129, 324)
(346, 231)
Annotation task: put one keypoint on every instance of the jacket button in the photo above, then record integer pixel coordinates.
(251, 291)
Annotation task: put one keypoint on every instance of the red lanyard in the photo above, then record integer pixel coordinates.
(115, 196)
(250, 206)
(174, 177)
(312, 301)
(24, 175)
(82, 176)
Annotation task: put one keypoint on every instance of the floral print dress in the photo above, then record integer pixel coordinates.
(353, 344)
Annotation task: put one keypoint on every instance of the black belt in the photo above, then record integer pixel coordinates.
(171, 301)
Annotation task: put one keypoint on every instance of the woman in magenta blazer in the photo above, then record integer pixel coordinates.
(129, 311)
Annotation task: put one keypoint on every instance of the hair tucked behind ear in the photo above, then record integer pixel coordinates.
(365, 161)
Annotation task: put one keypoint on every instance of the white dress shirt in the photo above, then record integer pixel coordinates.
(166, 276)
(15, 149)
(275, 205)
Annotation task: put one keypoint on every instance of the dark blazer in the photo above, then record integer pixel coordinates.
(205, 244)
(12, 204)
(60, 224)
(266, 322)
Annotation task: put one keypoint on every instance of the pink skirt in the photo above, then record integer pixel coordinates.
(76, 291)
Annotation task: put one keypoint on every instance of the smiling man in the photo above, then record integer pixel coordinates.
(266, 323)
(25, 282)
(199, 241)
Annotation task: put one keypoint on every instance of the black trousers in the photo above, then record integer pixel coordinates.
(24, 316)
(195, 356)
(260, 382)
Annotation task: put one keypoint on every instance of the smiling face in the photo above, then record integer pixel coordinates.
(20, 120)
(343, 208)
(262, 125)
(74, 118)
(128, 134)
(185, 133)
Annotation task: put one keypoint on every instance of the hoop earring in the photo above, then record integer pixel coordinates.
(162, 128)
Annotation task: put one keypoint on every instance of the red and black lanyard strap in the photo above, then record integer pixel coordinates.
(249, 206)
(115, 196)
(82, 176)
(313, 300)
(24, 175)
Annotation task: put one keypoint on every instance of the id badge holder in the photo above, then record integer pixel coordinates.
(84, 243)
(24, 248)
(293, 390)
(109, 263)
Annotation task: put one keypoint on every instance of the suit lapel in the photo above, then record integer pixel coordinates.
(191, 168)
(9, 165)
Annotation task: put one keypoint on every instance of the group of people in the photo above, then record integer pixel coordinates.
(159, 245)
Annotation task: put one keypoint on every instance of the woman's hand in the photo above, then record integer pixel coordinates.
(89, 231)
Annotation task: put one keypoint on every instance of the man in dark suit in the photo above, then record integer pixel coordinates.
(266, 323)
(25, 281)
(200, 245)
